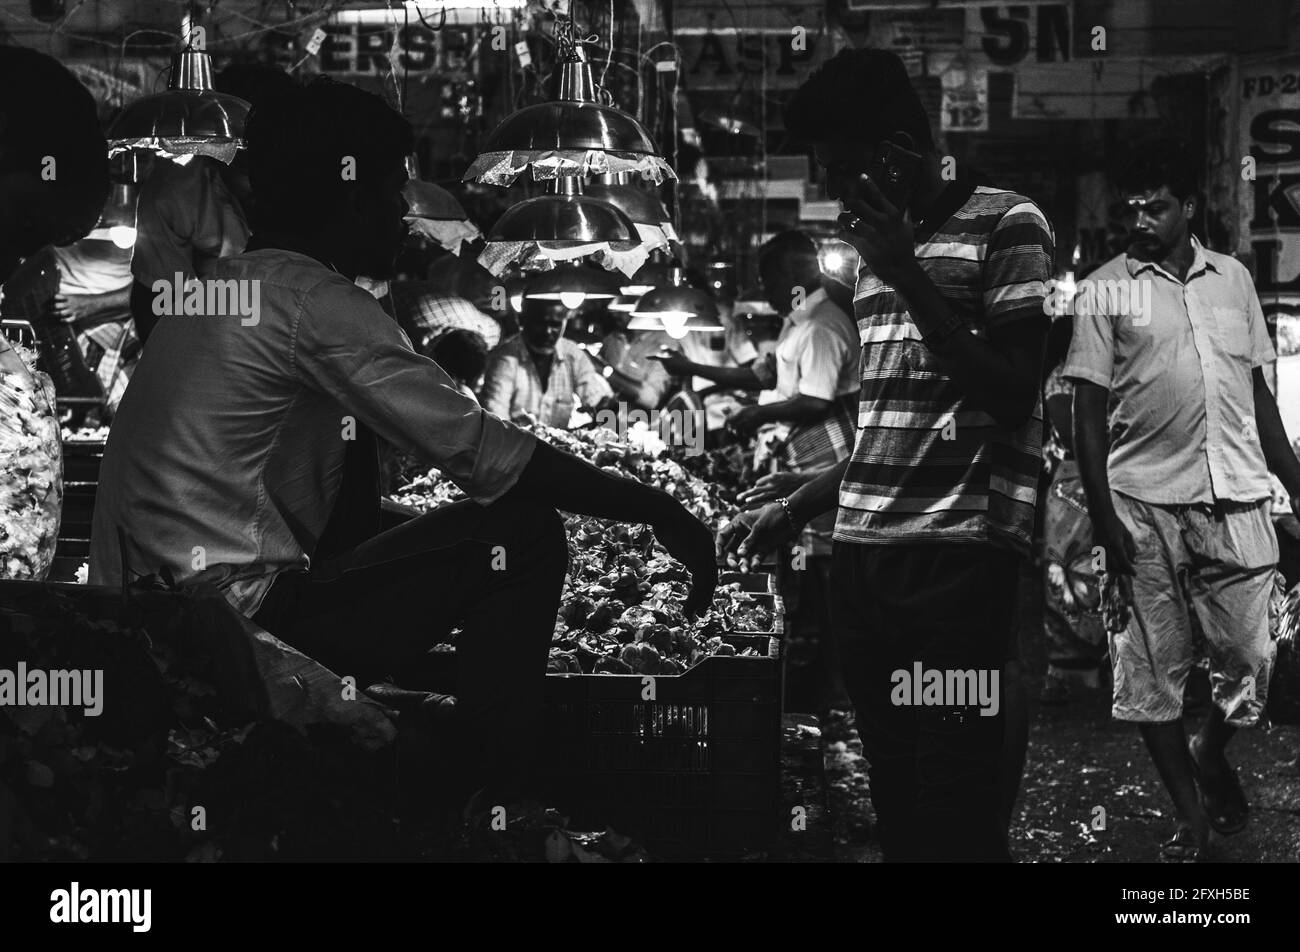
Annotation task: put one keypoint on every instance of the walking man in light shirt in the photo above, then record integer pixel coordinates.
(1179, 490)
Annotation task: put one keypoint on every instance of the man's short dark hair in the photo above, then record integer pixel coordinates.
(47, 112)
(795, 249)
(1162, 161)
(460, 352)
(301, 142)
(858, 96)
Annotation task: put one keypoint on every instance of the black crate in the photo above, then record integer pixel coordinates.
(695, 771)
(81, 462)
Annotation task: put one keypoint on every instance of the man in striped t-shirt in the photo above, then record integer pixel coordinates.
(936, 502)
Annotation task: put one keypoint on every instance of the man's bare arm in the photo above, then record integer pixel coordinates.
(1273, 440)
(1091, 448)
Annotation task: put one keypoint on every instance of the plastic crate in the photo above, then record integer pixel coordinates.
(81, 462)
(695, 770)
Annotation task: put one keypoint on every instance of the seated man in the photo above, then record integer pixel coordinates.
(634, 374)
(243, 452)
(94, 297)
(539, 374)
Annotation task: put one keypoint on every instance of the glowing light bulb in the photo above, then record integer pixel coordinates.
(572, 299)
(834, 261)
(675, 323)
(122, 235)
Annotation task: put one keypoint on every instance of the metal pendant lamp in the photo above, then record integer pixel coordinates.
(190, 118)
(435, 213)
(572, 284)
(574, 135)
(653, 223)
(566, 217)
(539, 232)
(676, 308)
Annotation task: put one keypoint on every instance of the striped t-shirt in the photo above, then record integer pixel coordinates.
(927, 465)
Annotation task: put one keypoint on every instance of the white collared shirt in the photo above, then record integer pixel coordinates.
(1183, 425)
(816, 352)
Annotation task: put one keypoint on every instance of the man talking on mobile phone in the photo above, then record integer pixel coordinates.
(936, 501)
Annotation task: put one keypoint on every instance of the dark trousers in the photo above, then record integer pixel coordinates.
(373, 611)
(934, 770)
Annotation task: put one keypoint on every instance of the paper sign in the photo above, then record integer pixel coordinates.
(965, 103)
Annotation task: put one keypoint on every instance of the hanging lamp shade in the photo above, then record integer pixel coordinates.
(117, 220)
(431, 202)
(646, 279)
(564, 218)
(435, 213)
(575, 135)
(677, 308)
(539, 232)
(653, 224)
(190, 118)
(675, 324)
(572, 284)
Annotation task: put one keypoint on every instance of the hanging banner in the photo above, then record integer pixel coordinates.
(1008, 37)
(1268, 124)
(727, 59)
(965, 103)
(353, 48)
(1099, 88)
(1268, 173)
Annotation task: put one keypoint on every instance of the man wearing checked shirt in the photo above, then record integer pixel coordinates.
(1179, 491)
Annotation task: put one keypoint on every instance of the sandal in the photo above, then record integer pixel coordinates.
(1183, 847)
(1227, 810)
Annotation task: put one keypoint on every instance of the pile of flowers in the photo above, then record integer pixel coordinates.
(31, 466)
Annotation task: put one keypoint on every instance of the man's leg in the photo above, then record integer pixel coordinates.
(935, 773)
(961, 621)
(1167, 742)
(816, 602)
(888, 732)
(1235, 552)
(1015, 704)
(496, 572)
(1153, 655)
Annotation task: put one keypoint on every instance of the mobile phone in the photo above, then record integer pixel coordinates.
(893, 169)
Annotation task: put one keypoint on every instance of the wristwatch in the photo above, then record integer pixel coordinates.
(785, 504)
